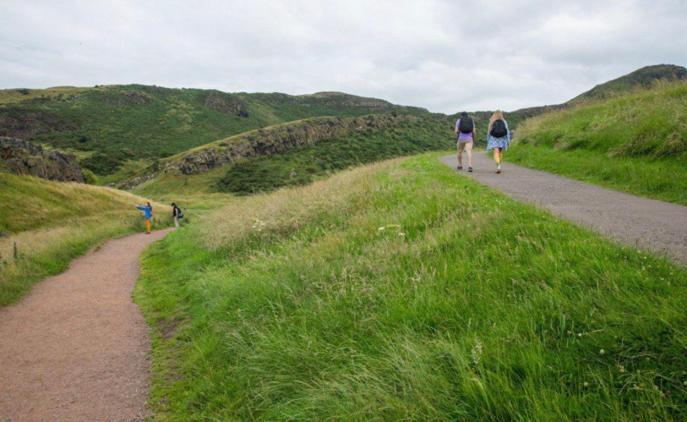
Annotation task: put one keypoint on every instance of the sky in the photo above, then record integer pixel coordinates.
(446, 56)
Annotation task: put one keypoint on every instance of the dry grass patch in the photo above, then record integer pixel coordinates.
(287, 209)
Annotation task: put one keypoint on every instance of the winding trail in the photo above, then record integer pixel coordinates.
(76, 347)
(645, 223)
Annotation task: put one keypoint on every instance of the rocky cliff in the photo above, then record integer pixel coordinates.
(26, 158)
(266, 141)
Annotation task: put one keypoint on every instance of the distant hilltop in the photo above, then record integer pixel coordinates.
(640, 78)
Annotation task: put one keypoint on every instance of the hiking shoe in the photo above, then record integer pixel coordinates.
(459, 168)
(498, 171)
(469, 169)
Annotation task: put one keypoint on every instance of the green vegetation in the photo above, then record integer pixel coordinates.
(168, 185)
(641, 78)
(51, 223)
(129, 169)
(111, 125)
(303, 165)
(391, 291)
(134, 122)
(399, 291)
(8, 96)
(636, 143)
(279, 155)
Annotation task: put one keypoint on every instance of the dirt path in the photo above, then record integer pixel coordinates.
(645, 223)
(76, 348)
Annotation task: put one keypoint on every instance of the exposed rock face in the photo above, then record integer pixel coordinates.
(226, 103)
(127, 98)
(267, 141)
(24, 157)
(24, 124)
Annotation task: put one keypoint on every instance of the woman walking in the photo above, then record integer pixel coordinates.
(465, 130)
(498, 137)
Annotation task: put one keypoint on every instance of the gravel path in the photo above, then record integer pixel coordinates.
(76, 348)
(645, 223)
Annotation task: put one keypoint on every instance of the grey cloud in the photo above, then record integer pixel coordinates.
(442, 55)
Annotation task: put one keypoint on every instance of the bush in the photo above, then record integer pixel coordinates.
(303, 165)
(89, 177)
(103, 164)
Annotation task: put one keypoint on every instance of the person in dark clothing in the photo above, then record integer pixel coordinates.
(176, 214)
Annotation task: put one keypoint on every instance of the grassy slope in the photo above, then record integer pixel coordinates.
(302, 165)
(400, 291)
(640, 78)
(644, 77)
(635, 143)
(130, 122)
(54, 222)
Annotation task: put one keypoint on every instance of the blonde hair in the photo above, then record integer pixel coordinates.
(498, 114)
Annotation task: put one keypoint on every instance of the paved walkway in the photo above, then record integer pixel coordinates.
(644, 223)
(76, 348)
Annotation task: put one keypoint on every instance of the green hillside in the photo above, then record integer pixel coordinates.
(291, 154)
(640, 78)
(635, 143)
(116, 130)
(111, 125)
(53, 222)
(303, 165)
(399, 291)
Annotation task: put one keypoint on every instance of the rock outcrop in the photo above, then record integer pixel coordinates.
(26, 158)
(226, 103)
(27, 124)
(267, 141)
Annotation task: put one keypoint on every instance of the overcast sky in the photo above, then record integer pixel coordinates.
(443, 55)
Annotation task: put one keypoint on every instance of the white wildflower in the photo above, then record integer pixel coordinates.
(258, 224)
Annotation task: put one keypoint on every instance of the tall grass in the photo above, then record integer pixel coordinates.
(401, 291)
(636, 142)
(46, 224)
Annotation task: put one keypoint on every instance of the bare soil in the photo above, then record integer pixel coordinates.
(77, 348)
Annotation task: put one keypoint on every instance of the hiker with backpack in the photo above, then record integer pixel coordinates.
(176, 214)
(465, 129)
(498, 137)
(147, 214)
